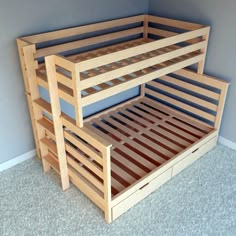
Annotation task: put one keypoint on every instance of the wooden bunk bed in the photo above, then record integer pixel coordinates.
(120, 155)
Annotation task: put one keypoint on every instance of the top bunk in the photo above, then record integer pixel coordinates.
(93, 62)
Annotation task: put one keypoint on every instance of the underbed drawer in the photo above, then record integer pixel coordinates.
(196, 154)
(140, 194)
(174, 169)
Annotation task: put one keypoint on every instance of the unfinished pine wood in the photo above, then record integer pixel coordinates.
(120, 155)
(33, 94)
(57, 122)
(21, 44)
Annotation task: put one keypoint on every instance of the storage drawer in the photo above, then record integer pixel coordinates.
(196, 154)
(140, 194)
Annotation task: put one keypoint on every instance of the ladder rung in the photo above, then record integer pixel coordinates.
(53, 162)
(49, 144)
(44, 105)
(47, 125)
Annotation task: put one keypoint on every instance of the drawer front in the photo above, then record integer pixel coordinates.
(143, 192)
(188, 160)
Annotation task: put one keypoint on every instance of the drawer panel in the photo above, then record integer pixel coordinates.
(185, 162)
(143, 192)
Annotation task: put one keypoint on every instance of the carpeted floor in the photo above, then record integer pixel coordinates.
(199, 201)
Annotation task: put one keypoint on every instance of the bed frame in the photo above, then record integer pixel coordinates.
(120, 155)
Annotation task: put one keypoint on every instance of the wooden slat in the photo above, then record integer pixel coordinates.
(174, 23)
(144, 140)
(95, 80)
(159, 170)
(46, 107)
(158, 123)
(86, 42)
(82, 29)
(53, 162)
(98, 184)
(182, 116)
(137, 170)
(142, 149)
(62, 93)
(164, 123)
(63, 79)
(159, 129)
(128, 151)
(181, 105)
(86, 134)
(93, 167)
(131, 52)
(47, 125)
(171, 119)
(191, 87)
(86, 189)
(138, 81)
(108, 49)
(204, 79)
(83, 147)
(166, 34)
(117, 185)
(50, 145)
(189, 127)
(122, 173)
(184, 95)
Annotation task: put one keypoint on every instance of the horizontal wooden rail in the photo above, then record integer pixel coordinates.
(87, 42)
(139, 80)
(131, 52)
(98, 142)
(166, 34)
(174, 23)
(95, 80)
(59, 34)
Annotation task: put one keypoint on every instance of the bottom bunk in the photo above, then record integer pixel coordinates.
(126, 152)
(149, 145)
(144, 135)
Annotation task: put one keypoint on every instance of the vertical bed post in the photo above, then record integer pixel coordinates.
(107, 183)
(57, 121)
(145, 36)
(221, 106)
(21, 44)
(145, 26)
(75, 74)
(32, 95)
(201, 64)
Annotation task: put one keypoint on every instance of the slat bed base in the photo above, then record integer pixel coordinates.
(119, 156)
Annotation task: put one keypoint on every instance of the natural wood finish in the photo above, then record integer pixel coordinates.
(39, 38)
(34, 94)
(140, 194)
(107, 183)
(87, 42)
(120, 155)
(57, 122)
(21, 44)
(117, 56)
(174, 23)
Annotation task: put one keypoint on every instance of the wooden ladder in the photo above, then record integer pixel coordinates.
(48, 133)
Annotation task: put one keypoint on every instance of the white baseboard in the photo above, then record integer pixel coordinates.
(17, 160)
(227, 143)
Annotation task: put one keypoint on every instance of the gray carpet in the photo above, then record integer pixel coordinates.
(199, 201)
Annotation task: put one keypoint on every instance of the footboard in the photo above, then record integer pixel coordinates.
(88, 158)
(88, 155)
